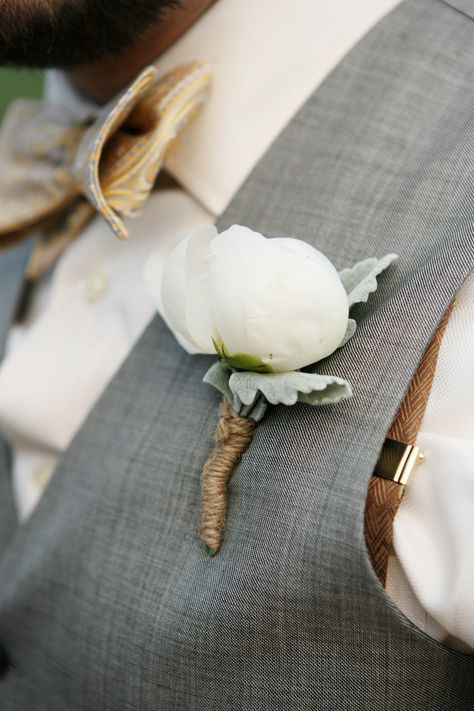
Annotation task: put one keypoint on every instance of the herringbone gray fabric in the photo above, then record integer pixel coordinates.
(107, 599)
(466, 6)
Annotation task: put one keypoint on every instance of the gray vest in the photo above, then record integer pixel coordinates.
(108, 601)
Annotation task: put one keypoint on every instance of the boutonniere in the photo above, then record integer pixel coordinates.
(267, 308)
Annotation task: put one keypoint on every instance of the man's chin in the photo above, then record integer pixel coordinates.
(72, 33)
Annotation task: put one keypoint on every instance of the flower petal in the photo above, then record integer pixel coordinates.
(173, 289)
(238, 256)
(303, 249)
(199, 320)
(154, 275)
(277, 300)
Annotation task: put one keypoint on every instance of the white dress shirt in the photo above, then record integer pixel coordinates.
(267, 58)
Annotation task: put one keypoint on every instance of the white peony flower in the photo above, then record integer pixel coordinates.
(261, 304)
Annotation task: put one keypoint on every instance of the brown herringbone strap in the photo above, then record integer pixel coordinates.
(384, 496)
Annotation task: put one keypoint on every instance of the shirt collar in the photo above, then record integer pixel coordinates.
(267, 58)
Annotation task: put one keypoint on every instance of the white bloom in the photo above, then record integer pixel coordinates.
(263, 304)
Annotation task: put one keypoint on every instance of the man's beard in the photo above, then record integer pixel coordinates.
(68, 33)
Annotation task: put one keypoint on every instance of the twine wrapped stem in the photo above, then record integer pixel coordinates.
(232, 436)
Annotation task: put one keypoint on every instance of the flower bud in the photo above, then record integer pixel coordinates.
(261, 304)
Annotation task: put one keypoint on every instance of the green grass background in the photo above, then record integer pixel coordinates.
(15, 83)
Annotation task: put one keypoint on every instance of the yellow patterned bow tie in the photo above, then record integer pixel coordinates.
(55, 173)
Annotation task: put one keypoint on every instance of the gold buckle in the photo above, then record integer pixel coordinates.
(398, 461)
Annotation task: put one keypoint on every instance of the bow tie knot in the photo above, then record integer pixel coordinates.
(57, 172)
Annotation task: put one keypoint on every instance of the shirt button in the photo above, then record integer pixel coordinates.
(94, 287)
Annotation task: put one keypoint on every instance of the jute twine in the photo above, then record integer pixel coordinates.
(232, 436)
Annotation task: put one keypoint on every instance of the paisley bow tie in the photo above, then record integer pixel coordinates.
(56, 173)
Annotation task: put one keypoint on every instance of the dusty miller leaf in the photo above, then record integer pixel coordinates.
(289, 388)
(361, 280)
(250, 393)
(218, 376)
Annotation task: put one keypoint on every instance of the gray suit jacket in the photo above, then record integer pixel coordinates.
(107, 599)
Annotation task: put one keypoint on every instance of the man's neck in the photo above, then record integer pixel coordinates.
(102, 80)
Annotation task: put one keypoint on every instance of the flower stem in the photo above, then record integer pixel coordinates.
(232, 436)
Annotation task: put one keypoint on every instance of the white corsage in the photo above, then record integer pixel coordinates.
(267, 308)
